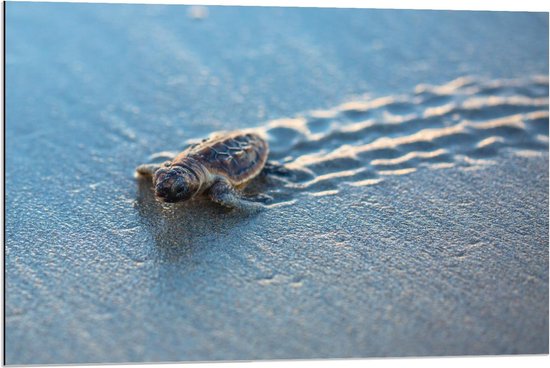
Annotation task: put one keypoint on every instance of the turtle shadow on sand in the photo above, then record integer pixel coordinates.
(180, 230)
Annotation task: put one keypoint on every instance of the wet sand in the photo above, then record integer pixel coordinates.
(414, 221)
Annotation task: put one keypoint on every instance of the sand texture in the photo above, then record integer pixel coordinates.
(413, 221)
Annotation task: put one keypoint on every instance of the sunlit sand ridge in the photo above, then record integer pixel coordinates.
(463, 123)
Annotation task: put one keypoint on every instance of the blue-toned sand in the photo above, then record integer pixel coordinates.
(414, 221)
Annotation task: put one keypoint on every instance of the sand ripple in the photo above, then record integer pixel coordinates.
(363, 142)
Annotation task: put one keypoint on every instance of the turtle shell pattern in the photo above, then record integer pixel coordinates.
(237, 156)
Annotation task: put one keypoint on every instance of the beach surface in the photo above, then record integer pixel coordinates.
(414, 221)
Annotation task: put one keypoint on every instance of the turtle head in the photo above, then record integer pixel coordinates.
(175, 184)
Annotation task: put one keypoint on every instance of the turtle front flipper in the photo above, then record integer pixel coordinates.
(150, 169)
(222, 192)
(147, 169)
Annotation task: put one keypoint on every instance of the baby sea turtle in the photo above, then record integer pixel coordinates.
(218, 166)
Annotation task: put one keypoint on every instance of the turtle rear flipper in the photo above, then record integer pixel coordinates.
(275, 168)
(222, 192)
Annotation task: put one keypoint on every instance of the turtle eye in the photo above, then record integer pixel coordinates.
(158, 173)
(167, 163)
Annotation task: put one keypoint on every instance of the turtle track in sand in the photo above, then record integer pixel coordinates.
(367, 140)
(364, 141)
